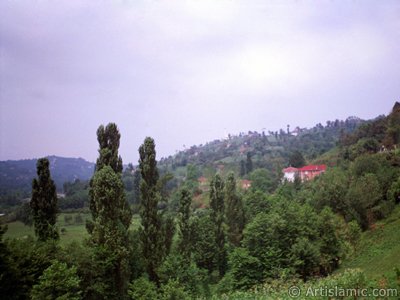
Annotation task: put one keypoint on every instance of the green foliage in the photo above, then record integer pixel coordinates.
(8, 279)
(234, 212)
(364, 193)
(261, 180)
(57, 282)
(292, 238)
(217, 218)
(108, 138)
(297, 160)
(44, 203)
(172, 290)
(190, 277)
(111, 213)
(142, 289)
(249, 163)
(24, 214)
(245, 269)
(203, 241)
(255, 202)
(27, 259)
(184, 243)
(151, 235)
(393, 193)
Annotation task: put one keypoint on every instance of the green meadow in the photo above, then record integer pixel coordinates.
(69, 230)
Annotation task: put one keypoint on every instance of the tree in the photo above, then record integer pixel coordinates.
(203, 241)
(184, 245)
(249, 163)
(242, 168)
(255, 202)
(57, 282)
(110, 229)
(151, 234)
(297, 160)
(217, 217)
(44, 203)
(234, 211)
(108, 138)
(110, 212)
(261, 180)
(364, 193)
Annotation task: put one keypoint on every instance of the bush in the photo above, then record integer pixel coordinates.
(57, 282)
(142, 289)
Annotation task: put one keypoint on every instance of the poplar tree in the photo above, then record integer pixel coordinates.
(44, 203)
(111, 214)
(249, 163)
(217, 217)
(234, 211)
(151, 233)
(108, 138)
(184, 245)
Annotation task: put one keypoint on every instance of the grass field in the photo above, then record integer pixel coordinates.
(69, 231)
(378, 252)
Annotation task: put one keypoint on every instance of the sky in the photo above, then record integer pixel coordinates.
(187, 72)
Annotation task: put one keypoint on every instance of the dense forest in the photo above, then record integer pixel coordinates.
(212, 238)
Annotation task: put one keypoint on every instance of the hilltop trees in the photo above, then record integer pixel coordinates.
(111, 214)
(44, 203)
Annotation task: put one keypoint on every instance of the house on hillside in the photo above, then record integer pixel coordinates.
(305, 173)
(289, 173)
(245, 184)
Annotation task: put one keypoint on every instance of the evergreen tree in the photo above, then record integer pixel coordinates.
(44, 203)
(110, 229)
(234, 211)
(111, 213)
(108, 138)
(249, 163)
(217, 217)
(184, 245)
(297, 160)
(242, 168)
(151, 234)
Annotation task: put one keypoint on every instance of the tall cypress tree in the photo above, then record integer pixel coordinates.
(108, 138)
(111, 214)
(234, 211)
(44, 203)
(184, 245)
(217, 217)
(151, 234)
(249, 163)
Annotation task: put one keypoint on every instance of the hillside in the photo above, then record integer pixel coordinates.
(378, 251)
(17, 175)
(270, 150)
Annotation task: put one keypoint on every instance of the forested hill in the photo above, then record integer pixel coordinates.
(270, 150)
(18, 174)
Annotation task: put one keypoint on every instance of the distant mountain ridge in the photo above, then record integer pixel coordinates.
(18, 174)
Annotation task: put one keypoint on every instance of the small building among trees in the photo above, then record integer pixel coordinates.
(304, 173)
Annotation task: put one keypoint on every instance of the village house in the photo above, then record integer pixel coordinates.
(305, 173)
(245, 184)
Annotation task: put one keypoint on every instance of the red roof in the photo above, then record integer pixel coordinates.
(290, 170)
(313, 168)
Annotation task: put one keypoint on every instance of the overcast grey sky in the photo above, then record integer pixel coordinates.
(187, 72)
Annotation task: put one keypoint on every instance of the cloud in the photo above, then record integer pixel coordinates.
(187, 71)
